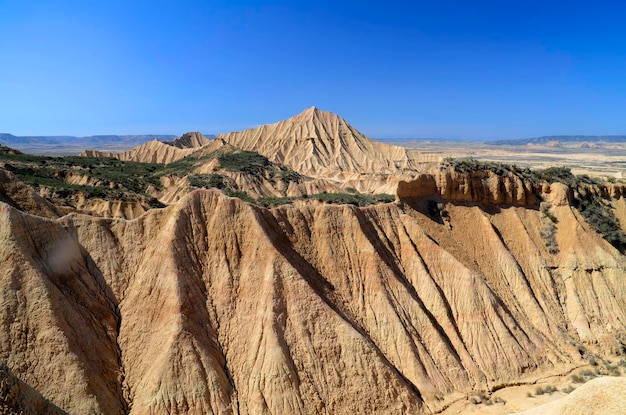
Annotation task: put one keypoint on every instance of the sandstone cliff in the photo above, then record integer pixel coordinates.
(212, 305)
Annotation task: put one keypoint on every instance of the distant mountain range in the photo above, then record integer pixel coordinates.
(561, 138)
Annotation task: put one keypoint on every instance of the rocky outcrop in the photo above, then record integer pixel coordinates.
(480, 186)
(24, 198)
(190, 140)
(212, 305)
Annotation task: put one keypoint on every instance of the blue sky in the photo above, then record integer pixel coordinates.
(453, 69)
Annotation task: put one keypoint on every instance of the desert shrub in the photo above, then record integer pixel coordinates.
(601, 218)
(614, 370)
(547, 389)
(568, 389)
(550, 215)
(239, 194)
(249, 162)
(356, 199)
(206, 180)
(498, 399)
(479, 398)
(270, 202)
(588, 374)
(470, 164)
(557, 174)
(578, 379)
(548, 234)
(288, 175)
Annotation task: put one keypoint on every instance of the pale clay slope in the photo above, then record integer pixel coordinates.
(600, 396)
(156, 151)
(216, 306)
(320, 143)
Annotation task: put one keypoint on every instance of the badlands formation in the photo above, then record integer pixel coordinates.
(473, 281)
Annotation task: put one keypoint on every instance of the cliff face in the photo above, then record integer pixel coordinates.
(481, 186)
(212, 305)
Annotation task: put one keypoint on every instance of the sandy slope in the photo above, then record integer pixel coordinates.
(215, 306)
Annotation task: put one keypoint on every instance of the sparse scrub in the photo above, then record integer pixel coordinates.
(206, 180)
(249, 162)
(287, 175)
(499, 400)
(545, 390)
(356, 199)
(479, 398)
(270, 202)
(614, 370)
(568, 389)
(556, 175)
(548, 233)
(239, 194)
(601, 218)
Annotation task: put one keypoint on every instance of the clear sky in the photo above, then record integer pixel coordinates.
(454, 69)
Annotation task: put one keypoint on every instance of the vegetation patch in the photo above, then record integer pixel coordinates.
(249, 162)
(545, 390)
(599, 215)
(356, 199)
(548, 232)
(206, 180)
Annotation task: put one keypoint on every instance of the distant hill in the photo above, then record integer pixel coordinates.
(70, 145)
(561, 138)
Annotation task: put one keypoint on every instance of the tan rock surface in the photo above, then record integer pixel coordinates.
(156, 151)
(190, 140)
(215, 306)
(600, 396)
(319, 143)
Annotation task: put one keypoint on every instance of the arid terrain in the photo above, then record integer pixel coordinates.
(303, 268)
(595, 158)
